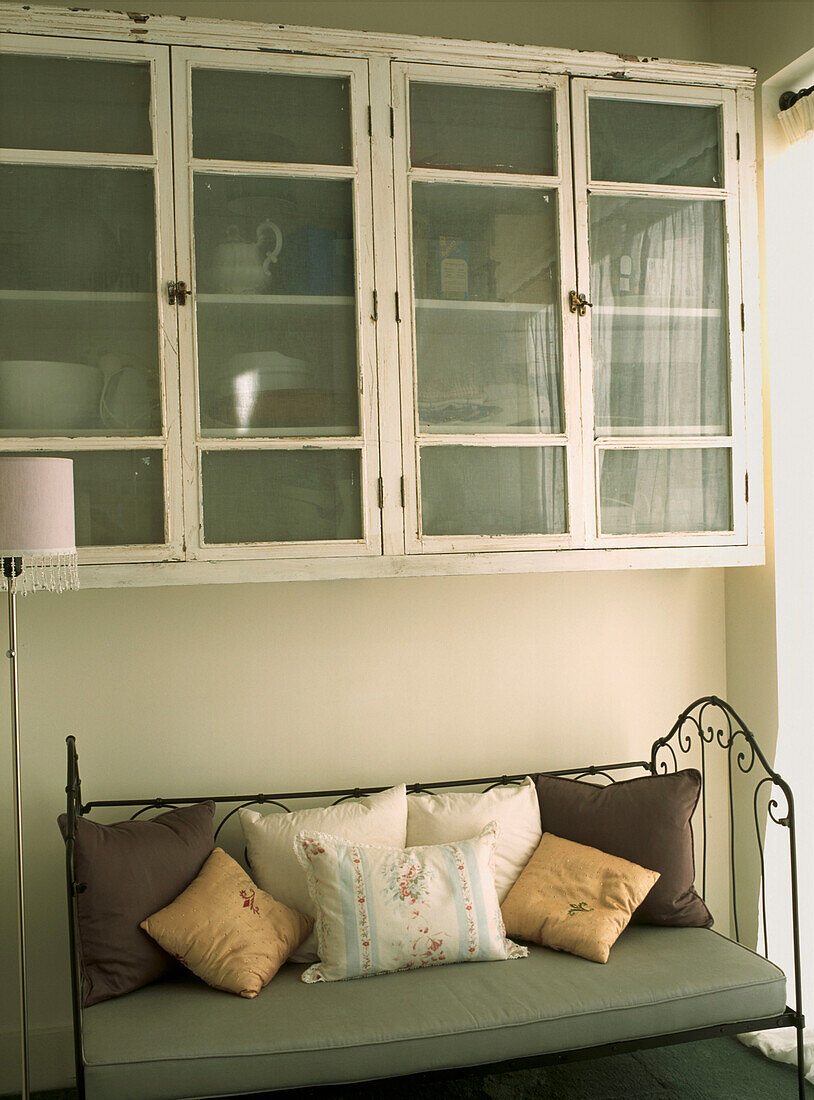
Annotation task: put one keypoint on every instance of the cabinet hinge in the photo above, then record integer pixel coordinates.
(737, 147)
(743, 317)
(381, 493)
(402, 491)
(375, 314)
(398, 313)
(370, 121)
(392, 123)
(746, 485)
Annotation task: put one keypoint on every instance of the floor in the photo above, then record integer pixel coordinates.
(717, 1069)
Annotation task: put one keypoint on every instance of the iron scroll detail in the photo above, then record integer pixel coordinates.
(709, 722)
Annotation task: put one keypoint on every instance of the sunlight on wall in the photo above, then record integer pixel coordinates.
(789, 186)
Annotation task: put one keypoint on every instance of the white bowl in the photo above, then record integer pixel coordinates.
(39, 395)
(269, 370)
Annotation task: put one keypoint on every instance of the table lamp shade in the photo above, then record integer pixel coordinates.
(37, 523)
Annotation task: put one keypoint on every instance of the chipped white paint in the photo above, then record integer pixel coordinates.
(414, 440)
(359, 174)
(281, 38)
(416, 565)
(379, 68)
(750, 296)
(729, 196)
(160, 165)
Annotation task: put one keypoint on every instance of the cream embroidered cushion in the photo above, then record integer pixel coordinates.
(385, 909)
(574, 898)
(227, 931)
(378, 819)
(439, 818)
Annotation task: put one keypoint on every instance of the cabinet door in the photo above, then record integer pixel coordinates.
(663, 381)
(279, 381)
(89, 367)
(488, 352)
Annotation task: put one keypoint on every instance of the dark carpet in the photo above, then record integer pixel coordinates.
(717, 1069)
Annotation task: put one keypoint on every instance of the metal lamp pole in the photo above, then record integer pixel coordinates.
(12, 567)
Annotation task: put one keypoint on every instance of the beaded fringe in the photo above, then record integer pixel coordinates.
(44, 573)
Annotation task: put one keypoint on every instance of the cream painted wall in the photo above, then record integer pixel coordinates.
(778, 38)
(236, 687)
(768, 34)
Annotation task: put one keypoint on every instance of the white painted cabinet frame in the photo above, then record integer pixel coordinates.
(359, 174)
(167, 444)
(379, 68)
(560, 184)
(729, 197)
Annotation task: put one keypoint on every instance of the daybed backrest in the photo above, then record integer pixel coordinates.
(755, 796)
(227, 831)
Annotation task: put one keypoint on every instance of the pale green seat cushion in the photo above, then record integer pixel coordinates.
(185, 1039)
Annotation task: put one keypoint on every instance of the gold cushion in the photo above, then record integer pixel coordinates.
(226, 930)
(574, 898)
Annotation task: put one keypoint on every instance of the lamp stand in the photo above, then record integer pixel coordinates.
(13, 567)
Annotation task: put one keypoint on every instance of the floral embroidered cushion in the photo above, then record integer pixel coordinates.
(379, 819)
(385, 909)
(226, 930)
(440, 818)
(574, 898)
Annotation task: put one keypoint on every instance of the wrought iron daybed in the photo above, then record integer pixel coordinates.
(662, 985)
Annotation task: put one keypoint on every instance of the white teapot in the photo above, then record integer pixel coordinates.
(241, 268)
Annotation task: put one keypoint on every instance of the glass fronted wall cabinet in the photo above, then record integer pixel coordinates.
(326, 313)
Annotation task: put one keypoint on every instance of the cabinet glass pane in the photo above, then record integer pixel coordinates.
(659, 319)
(281, 496)
(487, 283)
(77, 104)
(493, 490)
(482, 129)
(277, 351)
(666, 143)
(270, 117)
(118, 497)
(654, 491)
(78, 304)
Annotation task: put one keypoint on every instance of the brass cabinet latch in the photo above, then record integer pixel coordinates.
(578, 303)
(177, 293)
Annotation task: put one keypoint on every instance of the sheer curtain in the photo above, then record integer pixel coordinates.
(789, 182)
(544, 359)
(660, 358)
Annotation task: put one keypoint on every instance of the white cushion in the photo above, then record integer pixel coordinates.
(385, 909)
(440, 818)
(377, 819)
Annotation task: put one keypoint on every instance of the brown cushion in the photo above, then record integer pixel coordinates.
(132, 869)
(227, 930)
(646, 821)
(574, 898)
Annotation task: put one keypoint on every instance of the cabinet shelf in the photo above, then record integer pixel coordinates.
(264, 435)
(80, 434)
(452, 303)
(275, 299)
(76, 296)
(660, 311)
